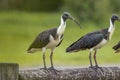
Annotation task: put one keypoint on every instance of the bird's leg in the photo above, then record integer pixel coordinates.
(52, 67)
(90, 59)
(96, 65)
(44, 62)
(51, 55)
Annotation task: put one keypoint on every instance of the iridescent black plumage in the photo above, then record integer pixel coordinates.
(88, 41)
(43, 39)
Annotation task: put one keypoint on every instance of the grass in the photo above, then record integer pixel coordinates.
(18, 30)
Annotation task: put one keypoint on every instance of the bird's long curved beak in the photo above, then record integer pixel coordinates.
(73, 19)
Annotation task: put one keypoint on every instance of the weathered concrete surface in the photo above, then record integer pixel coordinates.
(104, 73)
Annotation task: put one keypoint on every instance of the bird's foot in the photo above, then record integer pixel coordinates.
(91, 66)
(44, 69)
(52, 69)
(94, 67)
(97, 67)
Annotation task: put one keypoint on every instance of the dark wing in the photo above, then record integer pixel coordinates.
(43, 38)
(86, 42)
(116, 46)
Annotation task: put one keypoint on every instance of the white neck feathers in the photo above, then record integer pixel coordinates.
(111, 29)
(62, 27)
(112, 26)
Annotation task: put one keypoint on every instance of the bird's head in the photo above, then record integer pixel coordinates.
(67, 15)
(115, 18)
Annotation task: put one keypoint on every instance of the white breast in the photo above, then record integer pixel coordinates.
(53, 42)
(118, 50)
(101, 44)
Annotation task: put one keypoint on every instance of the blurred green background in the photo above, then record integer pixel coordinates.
(22, 20)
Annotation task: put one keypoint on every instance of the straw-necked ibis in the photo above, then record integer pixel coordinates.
(94, 40)
(50, 39)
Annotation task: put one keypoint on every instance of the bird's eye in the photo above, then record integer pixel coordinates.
(66, 15)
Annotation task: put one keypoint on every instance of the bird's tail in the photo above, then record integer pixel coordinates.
(31, 51)
(72, 48)
(117, 47)
(69, 50)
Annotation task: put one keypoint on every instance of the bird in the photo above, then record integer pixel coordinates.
(117, 47)
(94, 40)
(50, 39)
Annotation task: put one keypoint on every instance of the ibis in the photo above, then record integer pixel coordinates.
(50, 39)
(94, 40)
(117, 47)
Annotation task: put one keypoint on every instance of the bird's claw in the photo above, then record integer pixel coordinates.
(44, 69)
(91, 66)
(52, 69)
(97, 67)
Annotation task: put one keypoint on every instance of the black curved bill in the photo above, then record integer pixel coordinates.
(73, 19)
